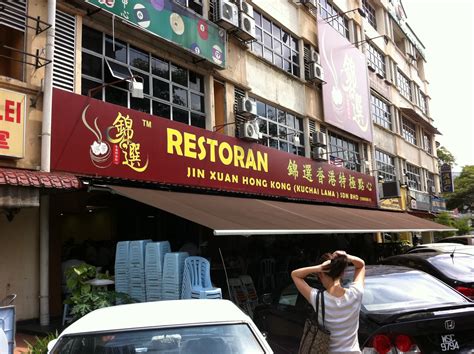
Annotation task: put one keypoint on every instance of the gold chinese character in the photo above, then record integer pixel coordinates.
(332, 178)
(342, 179)
(360, 184)
(292, 169)
(352, 182)
(369, 186)
(308, 172)
(320, 175)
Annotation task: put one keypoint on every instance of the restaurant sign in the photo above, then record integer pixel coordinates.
(446, 175)
(12, 123)
(95, 138)
(172, 22)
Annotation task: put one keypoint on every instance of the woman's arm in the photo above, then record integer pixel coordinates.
(298, 276)
(359, 272)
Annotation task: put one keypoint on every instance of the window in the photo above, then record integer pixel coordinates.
(170, 91)
(280, 128)
(422, 102)
(338, 22)
(344, 152)
(430, 186)
(413, 176)
(404, 85)
(370, 13)
(195, 5)
(385, 166)
(427, 144)
(12, 39)
(376, 60)
(276, 45)
(409, 131)
(381, 112)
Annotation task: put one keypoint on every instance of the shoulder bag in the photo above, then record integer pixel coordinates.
(316, 337)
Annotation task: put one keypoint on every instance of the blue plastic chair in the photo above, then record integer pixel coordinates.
(197, 280)
(154, 261)
(173, 267)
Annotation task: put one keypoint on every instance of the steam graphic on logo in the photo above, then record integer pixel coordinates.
(100, 151)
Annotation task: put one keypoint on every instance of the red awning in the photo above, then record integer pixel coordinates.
(27, 178)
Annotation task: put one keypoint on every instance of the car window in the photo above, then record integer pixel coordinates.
(288, 296)
(384, 293)
(218, 339)
(456, 267)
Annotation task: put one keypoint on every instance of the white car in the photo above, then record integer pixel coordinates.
(446, 247)
(176, 326)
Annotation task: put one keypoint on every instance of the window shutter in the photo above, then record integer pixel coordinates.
(13, 14)
(64, 51)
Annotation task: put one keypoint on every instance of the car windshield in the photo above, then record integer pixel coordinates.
(407, 291)
(457, 267)
(218, 339)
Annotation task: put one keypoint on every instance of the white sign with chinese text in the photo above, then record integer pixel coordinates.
(12, 123)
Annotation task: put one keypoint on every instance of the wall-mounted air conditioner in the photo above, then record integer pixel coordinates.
(318, 139)
(246, 30)
(314, 56)
(319, 153)
(247, 107)
(310, 4)
(316, 72)
(227, 14)
(250, 130)
(245, 7)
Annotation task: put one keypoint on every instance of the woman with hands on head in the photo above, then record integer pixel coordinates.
(342, 305)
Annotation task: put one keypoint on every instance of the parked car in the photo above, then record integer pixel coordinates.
(463, 240)
(455, 269)
(442, 248)
(403, 311)
(176, 326)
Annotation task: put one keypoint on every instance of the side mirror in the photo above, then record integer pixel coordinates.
(51, 344)
(267, 299)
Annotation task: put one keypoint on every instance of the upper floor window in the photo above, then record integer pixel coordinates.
(338, 22)
(12, 39)
(409, 131)
(404, 85)
(430, 184)
(276, 45)
(413, 177)
(195, 5)
(381, 112)
(427, 144)
(370, 13)
(170, 91)
(344, 152)
(385, 165)
(279, 129)
(376, 59)
(422, 102)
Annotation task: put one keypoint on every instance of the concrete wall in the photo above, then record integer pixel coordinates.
(19, 261)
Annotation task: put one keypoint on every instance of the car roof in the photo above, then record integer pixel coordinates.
(158, 314)
(427, 255)
(442, 247)
(382, 269)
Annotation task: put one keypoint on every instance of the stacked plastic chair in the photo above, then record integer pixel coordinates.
(249, 287)
(173, 275)
(136, 270)
(266, 280)
(121, 267)
(239, 295)
(154, 260)
(197, 280)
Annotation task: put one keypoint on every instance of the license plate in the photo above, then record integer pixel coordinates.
(449, 343)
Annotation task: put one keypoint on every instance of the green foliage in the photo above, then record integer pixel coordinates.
(444, 219)
(445, 156)
(40, 346)
(462, 224)
(84, 297)
(463, 194)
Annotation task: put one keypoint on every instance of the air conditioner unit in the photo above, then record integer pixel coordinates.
(250, 130)
(310, 4)
(245, 7)
(246, 27)
(318, 139)
(319, 153)
(247, 107)
(316, 72)
(314, 56)
(227, 14)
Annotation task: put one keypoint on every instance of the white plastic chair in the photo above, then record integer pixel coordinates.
(197, 280)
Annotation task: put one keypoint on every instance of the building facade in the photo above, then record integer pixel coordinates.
(256, 72)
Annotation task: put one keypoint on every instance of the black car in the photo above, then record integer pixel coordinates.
(455, 269)
(403, 311)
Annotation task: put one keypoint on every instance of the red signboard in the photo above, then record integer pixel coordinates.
(95, 138)
(346, 92)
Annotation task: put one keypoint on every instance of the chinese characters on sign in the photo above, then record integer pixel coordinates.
(446, 179)
(12, 123)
